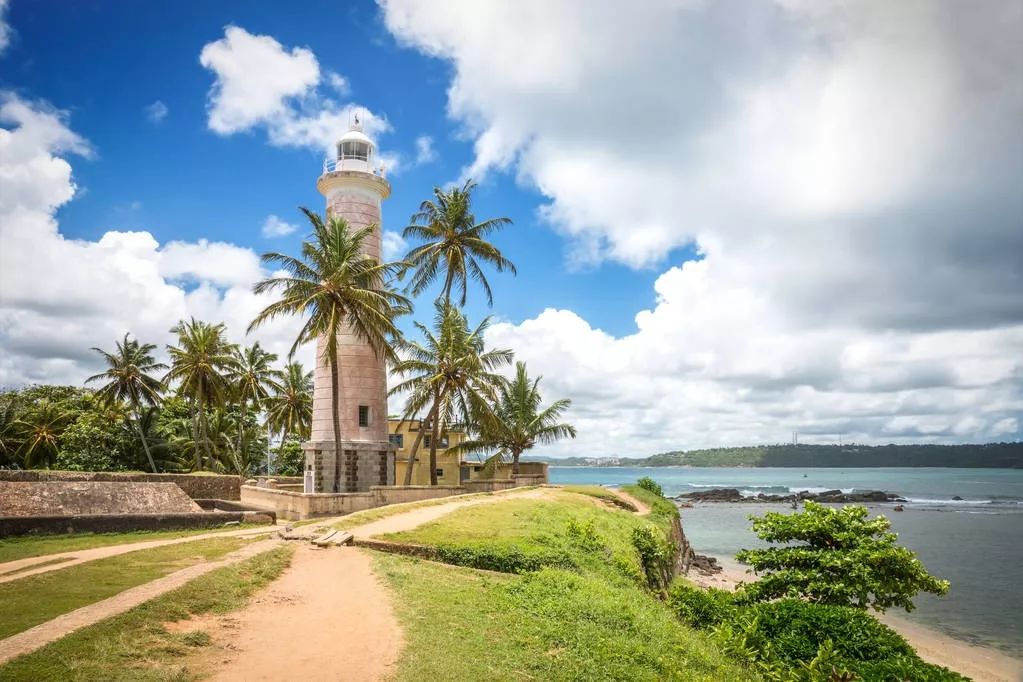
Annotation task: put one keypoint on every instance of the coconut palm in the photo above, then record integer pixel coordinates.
(289, 411)
(342, 290)
(201, 364)
(452, 375)
(129, 379)
(453, 242)
(521, 423)
(11, 429)
(254, 379)
(42, 425)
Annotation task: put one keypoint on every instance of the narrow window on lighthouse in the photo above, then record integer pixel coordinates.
(363, 415)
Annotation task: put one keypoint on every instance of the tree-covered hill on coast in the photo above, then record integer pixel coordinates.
(987, 455)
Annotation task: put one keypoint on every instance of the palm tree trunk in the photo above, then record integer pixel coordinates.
(412, 456)
(204, 428)
(515, 463)
(434, 434)
(335, 417)
(145, 443)
(241, 428)
(195, 436)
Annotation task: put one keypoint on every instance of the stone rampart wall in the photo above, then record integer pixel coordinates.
(195, 486)
(119, 523)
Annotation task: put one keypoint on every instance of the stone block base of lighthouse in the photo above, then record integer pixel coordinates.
(362, 464)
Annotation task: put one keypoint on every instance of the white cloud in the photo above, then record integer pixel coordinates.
(849, 173)
(275, 227)
(5, 28)
(394, 245)
(59, 296)
(261, 84)
(425, 153)
(156, 112)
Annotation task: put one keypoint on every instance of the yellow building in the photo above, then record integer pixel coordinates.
(403, 435)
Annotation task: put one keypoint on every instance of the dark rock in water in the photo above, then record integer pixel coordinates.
(957, 498)
(832, 496)
(899, 507)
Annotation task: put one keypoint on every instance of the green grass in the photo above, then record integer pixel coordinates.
(566, 531)
(135, 645)
(364, 517)
(461, 624)
(36, 599)
(602, 494)
(27, 546)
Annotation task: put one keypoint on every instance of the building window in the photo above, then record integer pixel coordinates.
(353, 149)
(442, 442)
(363, 415)
(397, 440)
(440, 473)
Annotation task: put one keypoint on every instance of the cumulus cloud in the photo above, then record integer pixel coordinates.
(849, 174)
(394, 245)
(275, 227)
(259, 83)
(59, 296)
(425, 153)
(156, 112)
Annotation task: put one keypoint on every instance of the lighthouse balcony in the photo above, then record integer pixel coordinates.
(351, 164)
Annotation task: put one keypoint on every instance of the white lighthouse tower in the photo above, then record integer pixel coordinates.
(354, 188)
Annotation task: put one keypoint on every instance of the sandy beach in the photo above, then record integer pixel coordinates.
(982, 664)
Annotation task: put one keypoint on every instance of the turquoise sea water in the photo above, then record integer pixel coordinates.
(976, 543)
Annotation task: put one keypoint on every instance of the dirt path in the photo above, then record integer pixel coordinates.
(641, 507)
(326, 618)
(417, 517)
(44, 633)
(22, 568)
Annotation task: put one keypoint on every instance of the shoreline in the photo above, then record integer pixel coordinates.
(981, 663)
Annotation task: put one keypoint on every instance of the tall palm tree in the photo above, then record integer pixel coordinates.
(200, 364)
(342, 290)
(11, 429)
(254, 379)
(290, 410)
(521, 423)
(452, 373)
(129, 379)
(453, 242)
(42, 425)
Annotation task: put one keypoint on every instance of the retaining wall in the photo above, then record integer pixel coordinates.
(119, 523)
(195, 486)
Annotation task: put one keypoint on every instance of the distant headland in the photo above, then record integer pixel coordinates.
(985, 455)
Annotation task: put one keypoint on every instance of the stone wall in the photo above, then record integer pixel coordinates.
(119, 523)
(73, 498)
(195, 486)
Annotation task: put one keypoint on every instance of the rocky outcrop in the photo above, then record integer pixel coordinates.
(733, 495)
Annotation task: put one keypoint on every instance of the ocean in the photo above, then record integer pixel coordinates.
(976, 542)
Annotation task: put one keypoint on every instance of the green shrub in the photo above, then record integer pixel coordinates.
(585, 534)
(503, 558)
(797, 628)
(700, 608)
(649, 484)
(656, 554)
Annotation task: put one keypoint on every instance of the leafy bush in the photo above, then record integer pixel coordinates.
(656, 554)
(289, 459)
(835, 556)
(649, 484)
(796, 640)
(700, 608)
(585, 534)
(503, 558)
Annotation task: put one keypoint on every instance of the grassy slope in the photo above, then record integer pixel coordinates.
(135, 645)
(595, 621)
(38, 598)
(23, 547)
(601, 493)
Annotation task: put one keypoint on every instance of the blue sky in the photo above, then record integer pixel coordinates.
(732, 221)
(181, 181)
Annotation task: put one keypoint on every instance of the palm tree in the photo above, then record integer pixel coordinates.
(200, 364)
(129, 379)
(343, 291)
(290, 410)
(42, 425)
(453, 373)
(454, 242)
(254, 378)
(520, 422)
(11, 429)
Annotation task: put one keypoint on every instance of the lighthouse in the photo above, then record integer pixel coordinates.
(354, 187)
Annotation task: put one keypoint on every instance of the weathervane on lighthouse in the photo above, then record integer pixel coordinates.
(354, 190)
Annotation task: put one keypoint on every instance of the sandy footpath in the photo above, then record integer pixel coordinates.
(982, 664)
